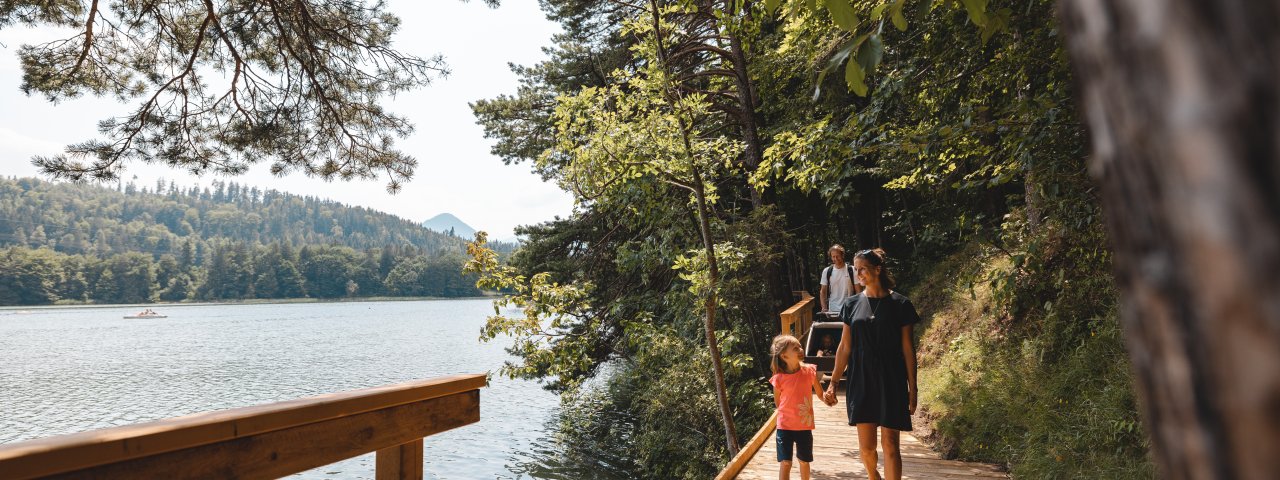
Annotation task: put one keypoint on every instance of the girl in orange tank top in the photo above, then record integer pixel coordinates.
(794, 385)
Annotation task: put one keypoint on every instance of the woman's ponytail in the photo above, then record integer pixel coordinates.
(876, 257)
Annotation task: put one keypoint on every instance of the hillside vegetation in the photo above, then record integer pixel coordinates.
(69, 243)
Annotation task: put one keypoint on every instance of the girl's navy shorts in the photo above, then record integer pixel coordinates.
(803, 441)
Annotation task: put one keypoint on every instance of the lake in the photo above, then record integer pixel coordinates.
(65, 370)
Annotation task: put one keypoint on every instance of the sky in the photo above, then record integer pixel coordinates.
(455, 174)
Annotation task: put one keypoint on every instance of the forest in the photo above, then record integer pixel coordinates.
(68, 243)
(716, 150)
(1079, 196)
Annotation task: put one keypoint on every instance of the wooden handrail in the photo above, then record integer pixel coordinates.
(264, 441)
(796, 319)
(749, 450)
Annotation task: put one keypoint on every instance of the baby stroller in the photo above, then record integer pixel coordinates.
(821, 330)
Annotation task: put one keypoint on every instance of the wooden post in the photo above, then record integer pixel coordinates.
(806, 317)
(401, 462)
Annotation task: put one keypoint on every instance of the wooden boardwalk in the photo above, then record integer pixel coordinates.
(835, 455)
(835, 442)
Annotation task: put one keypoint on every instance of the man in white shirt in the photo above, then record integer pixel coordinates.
(837, 282)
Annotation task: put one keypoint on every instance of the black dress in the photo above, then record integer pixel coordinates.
(876, 376)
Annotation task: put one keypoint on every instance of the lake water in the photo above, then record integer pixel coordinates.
(65, 370)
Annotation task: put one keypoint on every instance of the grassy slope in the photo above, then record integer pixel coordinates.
(1035, 379)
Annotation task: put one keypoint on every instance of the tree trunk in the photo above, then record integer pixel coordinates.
(704, 227)
(868, 230)
(1180, 98)
(753, 153)
(713, 280)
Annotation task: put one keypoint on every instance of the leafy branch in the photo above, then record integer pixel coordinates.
(226, 84)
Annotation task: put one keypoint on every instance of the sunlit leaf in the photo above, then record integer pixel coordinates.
(996, 23)
(836, 60)
(869, 54)
(771, 6)
(977, 10)
(855, 78)
(895, 12)
(878, 11)
(842, 14)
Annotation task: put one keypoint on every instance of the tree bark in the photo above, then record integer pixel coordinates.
(753, 153)
(1181, 101)
(713, 280)
(868, 229)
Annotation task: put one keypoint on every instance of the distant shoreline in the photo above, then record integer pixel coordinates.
(253, 301)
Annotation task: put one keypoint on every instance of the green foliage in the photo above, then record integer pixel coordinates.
(637, 128)
(1055, 375)
(232, 272)
(328, 270)
(168, 219)
(644, 328)
(647, 129)
(28, 277)
(138, 246)
(134, 277)
(963, 145)
(430, 277)
(686, 402)
(868, 46)
(553, 334)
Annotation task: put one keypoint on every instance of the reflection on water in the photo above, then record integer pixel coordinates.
(65, 370)
(589, 438)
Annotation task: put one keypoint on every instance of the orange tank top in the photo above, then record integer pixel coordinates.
(794, 397)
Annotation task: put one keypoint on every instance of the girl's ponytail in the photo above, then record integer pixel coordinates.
(780, 344)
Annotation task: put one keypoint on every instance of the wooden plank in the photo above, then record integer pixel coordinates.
(806, 302)
(401, 462)
(836, 456)
(291, 450)
(792, 320)
(749, 450)
(64, 453)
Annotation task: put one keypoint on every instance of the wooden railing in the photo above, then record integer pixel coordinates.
(264, 441)
(794, 321)
(749, 450)
(797, 319)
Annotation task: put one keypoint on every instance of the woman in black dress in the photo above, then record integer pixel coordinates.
(880, 385)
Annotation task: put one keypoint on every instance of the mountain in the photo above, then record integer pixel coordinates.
(446, 222)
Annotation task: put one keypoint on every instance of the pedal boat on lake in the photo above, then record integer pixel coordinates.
(146, 314)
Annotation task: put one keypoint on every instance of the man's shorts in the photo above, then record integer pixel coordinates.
(803, 441)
